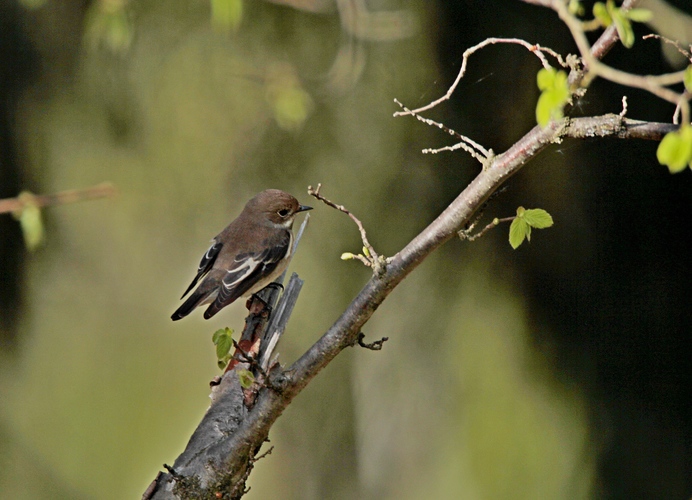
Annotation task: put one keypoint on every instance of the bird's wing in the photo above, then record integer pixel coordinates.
(205, 264)
(247, 270)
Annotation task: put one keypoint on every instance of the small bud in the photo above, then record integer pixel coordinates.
(347, 256)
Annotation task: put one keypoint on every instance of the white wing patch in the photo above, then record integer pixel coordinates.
(249, 264)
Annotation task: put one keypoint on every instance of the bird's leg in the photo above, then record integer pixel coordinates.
(258, 295)
(274, 285)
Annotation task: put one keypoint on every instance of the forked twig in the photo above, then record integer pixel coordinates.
(371, 258)
(469, 145)
(533, 48)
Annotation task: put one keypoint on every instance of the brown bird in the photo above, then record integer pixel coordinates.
(246, 256)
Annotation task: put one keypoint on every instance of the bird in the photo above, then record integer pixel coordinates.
(247, 255)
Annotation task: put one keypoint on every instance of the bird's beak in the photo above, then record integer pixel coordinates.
(303, 208)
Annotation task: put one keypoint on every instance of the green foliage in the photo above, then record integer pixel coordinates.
(609, 13)
(524, 221)
(554, 95)
(246, 378)
(226, 15)
(575, 8)
(30, 220)
(223, 340)
(639, 15)
(675, 150)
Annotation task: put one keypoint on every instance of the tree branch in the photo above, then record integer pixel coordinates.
(105, 190)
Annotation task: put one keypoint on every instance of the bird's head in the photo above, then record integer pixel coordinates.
(276, 206)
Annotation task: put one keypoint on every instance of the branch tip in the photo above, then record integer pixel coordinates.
(373, 346)
(371, 258)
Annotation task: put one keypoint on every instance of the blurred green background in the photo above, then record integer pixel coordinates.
(559, 370)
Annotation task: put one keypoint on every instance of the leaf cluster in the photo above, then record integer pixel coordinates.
(675, 150)
(608, 13)
(554, 95)
(524, 221)
(223, 340)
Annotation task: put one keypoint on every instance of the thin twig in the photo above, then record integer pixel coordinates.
(674, 43)
(372, 259)
(263, 455)
(373, 346)
(533, 48)
(624, 107)
(470, 146)
(245, 357)
(466, 233)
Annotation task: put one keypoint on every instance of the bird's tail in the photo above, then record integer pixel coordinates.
(194, 300)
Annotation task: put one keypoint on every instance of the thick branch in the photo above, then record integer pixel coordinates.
(612, 125)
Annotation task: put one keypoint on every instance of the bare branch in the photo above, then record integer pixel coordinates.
(471, 147)
(533, 48)
(465, 234)
(674, 43)
(104, 190)
(371, 257)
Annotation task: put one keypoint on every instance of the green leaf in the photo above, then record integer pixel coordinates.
(575, 8)
(223, 340)
(223, 347)
(622, 24)
(555, 95)
(639, 15)
(675, 150)
(30, 221)
(538, 218)
(687, 79)
(625, 31)
(32, 227)
(220, 333)
(517, 232)
(217, 334)
(600, 12)
(544, 109)
(545, 78)
(525, 220)
(246, 378)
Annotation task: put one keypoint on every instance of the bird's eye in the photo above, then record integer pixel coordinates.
(283, 212)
